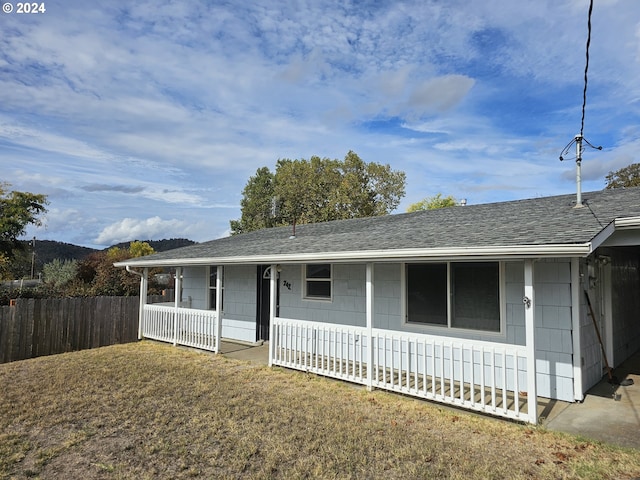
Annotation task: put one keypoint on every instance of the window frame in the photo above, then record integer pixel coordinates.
(305, 280)
(442, 329)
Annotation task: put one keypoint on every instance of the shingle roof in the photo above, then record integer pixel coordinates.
(537, 221)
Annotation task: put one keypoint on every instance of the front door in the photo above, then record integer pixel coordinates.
(263, 307)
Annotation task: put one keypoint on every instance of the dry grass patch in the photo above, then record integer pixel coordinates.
(148, 410)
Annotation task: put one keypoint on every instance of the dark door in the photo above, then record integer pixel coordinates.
(264, 290)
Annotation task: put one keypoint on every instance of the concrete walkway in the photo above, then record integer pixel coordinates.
(609, 413)
(253, 353)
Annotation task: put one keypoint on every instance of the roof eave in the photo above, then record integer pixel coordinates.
(467, 253)
(617, 225)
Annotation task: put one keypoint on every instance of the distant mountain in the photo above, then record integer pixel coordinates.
(161, 245)
(49, 250)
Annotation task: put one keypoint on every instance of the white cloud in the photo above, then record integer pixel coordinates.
(129, 229)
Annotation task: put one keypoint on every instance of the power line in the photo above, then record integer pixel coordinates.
(586, 68)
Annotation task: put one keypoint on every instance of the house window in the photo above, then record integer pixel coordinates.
(317, 281)
(455, 295)
(213, 276)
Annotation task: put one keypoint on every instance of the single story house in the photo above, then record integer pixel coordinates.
(484, 307)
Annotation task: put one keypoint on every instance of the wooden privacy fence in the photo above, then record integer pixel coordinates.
(34, 327)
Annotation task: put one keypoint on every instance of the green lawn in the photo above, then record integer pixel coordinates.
(149, 410)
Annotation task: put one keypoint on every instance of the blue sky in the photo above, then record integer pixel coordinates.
(144, 120)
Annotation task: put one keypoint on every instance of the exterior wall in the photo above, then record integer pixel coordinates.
(554, 345)
(239, 298)
(240, 303)
(194, 287)
(387, 296)
(554, 359)
(347, 306)
(553, 332)
(552, 282)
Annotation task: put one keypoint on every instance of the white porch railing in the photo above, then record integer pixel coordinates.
(482, 376)
(181, 326)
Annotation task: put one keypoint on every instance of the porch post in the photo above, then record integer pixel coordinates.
(144, 282)
(219, 310)
(273, 285)
(178, 287)
(529, 314)
(578, 394)
(369, 307)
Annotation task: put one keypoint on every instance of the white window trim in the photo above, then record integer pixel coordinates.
(442, 329)
(304, 283)
(209, 287)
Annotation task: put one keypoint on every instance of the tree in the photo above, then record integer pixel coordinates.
(140, 249)
(59, 273)
(318, 190)
(17, 211)
(256, 204)
(628, 176)
(97, 275)
(433, 203)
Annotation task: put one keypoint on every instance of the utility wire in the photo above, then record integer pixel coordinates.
(586, 69)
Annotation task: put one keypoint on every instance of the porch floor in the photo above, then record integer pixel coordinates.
(609, 413)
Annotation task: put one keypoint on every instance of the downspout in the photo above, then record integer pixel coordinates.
(143, 296)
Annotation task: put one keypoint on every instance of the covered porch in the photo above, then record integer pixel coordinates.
(490, 377)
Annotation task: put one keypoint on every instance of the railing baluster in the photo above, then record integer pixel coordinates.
(462, 373)
(472, 379)
(415, 373)
(482, 386)
(504, 381)
(408, 373)
(516, 393)
(493, 378)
